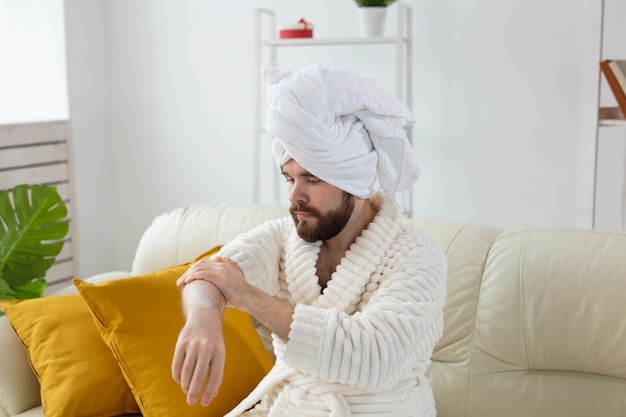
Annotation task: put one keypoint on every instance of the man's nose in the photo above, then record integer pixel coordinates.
(297, 193)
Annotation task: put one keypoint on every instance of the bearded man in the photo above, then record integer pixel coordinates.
(351, 293)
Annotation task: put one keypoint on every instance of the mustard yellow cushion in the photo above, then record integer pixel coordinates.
(139, 318)
(76, 370)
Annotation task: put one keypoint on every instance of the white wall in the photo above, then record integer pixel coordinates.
(496, 97)
(89, 99)
(32, 61)
(498, 89)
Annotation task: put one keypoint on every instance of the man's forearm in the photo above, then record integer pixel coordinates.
(211, 284)
(273, 313)
(199, 354)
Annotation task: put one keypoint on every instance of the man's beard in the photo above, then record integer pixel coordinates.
(328, 225)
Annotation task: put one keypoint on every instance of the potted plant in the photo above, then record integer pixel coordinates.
(33, 222)
(374, 3)
(372, 15)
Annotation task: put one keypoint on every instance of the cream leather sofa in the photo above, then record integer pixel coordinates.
(535, 320)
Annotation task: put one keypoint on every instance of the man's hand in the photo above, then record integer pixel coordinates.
(228, 278)
(222, 273)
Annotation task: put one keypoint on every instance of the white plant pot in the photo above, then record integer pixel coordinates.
(372, 20)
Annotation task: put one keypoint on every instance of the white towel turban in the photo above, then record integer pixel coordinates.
(341, 128)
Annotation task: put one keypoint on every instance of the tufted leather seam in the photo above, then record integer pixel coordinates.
(179, 232)
(522, 299)
(472, 343)
(452, 241)
(4, 410)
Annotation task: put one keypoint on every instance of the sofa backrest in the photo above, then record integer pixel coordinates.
(535, 320)
(467, 248)
(550, 327)
(535, 323)
(180, 235)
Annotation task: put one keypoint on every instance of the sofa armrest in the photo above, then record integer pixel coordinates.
(95, 279)
(19, 387)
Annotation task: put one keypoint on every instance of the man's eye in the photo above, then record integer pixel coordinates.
(289, 180)
(314, 180)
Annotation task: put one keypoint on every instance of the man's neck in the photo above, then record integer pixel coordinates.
(334, 249)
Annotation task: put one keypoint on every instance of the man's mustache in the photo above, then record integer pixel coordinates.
(304, 209)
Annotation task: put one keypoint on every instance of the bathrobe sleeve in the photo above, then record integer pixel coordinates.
(257, 253)
(392, 334)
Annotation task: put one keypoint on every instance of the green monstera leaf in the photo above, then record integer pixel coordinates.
(33, 222)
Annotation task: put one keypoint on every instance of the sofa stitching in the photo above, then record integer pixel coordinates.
(524, 323)
(451, 243)
(453, 239)
(179, 232)
(4, 409)
(473, 335)
(471, 352)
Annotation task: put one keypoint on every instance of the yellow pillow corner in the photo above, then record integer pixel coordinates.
(139, 318)
(76, 370)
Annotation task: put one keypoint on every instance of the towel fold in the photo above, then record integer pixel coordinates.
(341, 128)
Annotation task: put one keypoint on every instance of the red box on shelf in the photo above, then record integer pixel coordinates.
(302, 29)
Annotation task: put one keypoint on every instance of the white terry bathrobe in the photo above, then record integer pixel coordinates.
(362, 346)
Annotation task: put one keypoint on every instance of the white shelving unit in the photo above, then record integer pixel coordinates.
(266, 20)
(595, 118)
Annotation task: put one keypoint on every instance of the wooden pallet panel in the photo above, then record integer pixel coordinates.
(39, 153)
